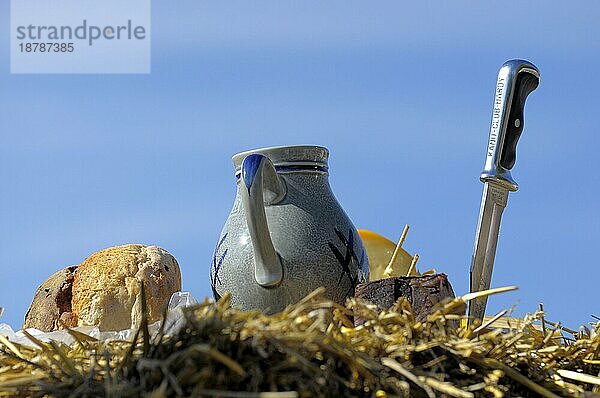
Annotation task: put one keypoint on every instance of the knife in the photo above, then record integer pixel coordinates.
(516, 80)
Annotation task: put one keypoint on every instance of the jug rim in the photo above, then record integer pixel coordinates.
(312, 156)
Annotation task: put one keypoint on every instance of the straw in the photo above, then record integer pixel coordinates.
(389, 270)
(312, 349)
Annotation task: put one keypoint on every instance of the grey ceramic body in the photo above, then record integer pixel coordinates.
(315, 240)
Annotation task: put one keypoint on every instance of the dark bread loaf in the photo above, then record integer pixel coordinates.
(422, 292)
(52, 301)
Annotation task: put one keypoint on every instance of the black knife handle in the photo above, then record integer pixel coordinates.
(525, 83)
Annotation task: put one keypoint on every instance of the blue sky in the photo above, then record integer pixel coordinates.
(401, 94)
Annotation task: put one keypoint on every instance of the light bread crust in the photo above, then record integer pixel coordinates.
(106, 289)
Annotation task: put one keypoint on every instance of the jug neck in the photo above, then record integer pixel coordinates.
(290, 159)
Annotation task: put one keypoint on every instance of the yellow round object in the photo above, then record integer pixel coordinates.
(379, 251)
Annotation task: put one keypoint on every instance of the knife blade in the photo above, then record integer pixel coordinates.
(516, 80)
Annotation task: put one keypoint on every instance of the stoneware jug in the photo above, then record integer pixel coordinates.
(286, 234)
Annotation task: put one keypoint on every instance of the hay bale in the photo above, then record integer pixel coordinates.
(313, 349)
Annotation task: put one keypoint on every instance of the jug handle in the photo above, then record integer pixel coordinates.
(261, 185)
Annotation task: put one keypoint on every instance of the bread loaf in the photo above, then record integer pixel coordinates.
(107, 286)
(105, 290)
(51, 300)
(422, 292)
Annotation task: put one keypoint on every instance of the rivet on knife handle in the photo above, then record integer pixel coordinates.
(516, 80)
